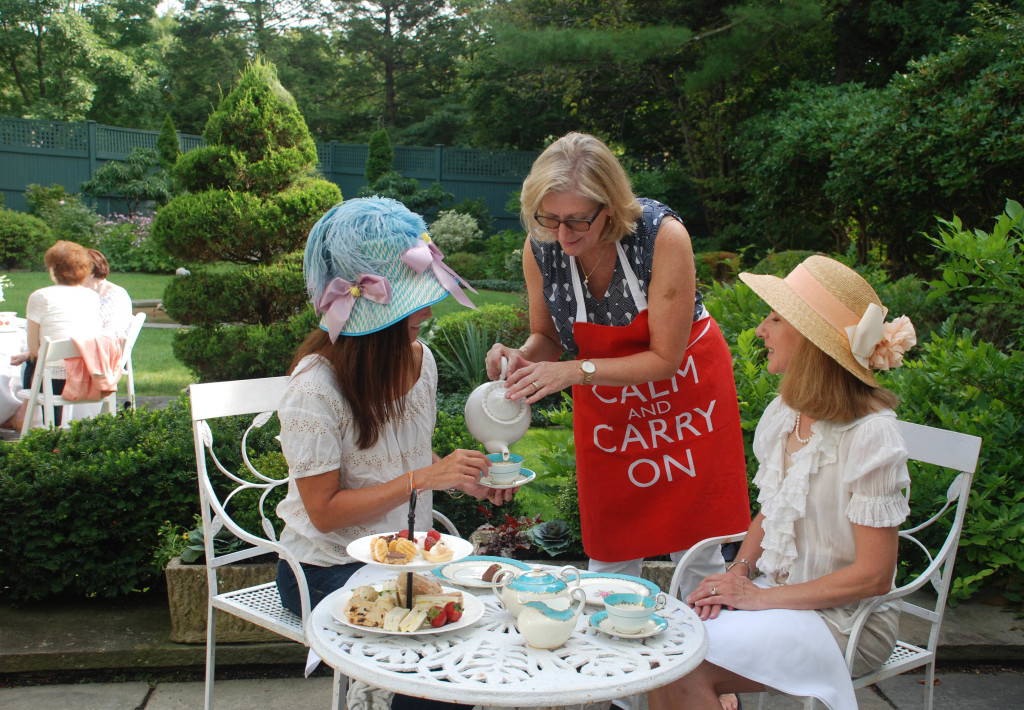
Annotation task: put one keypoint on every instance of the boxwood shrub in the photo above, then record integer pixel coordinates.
(83, 506)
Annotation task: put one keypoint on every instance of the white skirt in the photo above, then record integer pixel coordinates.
(790, 650)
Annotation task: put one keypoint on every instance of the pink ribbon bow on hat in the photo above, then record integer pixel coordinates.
(339, 298)
(425, 254)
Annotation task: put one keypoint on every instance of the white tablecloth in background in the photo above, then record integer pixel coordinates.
(12, 342)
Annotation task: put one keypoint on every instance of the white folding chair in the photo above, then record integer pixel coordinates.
(51, 353)
(259, 604)
(130, 338)
(925, 444)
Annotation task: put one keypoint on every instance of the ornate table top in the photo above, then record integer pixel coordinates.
(490, 663)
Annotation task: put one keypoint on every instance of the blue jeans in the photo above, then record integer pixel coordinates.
(322, 581)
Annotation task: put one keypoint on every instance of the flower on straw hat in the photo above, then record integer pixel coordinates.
(832, 305)
(370, 263)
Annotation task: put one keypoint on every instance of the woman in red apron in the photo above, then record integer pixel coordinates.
(611, 280)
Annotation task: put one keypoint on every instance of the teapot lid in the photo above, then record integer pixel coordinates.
(537, 581)
(499, 408)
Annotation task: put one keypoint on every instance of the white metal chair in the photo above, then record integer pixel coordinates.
(259, 604)
(931, 445)
(53, 352)
(134, 330)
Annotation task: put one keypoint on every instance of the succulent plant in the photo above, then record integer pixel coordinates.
(554, 537)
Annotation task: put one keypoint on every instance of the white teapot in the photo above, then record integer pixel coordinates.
(545, 627)
(534, 586)
(492, 419)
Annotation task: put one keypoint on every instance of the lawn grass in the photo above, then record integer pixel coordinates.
(157, 372)
(23, 283)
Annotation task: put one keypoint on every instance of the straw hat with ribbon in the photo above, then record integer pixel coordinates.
(837, 310)
(370, 263)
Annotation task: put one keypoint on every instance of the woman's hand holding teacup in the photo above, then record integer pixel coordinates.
(462, 469)
(732, 591)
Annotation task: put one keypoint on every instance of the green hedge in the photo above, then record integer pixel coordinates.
(215, 353)
(263, 294)
(23, 239)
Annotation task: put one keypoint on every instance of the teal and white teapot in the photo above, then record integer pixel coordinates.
(534, 586)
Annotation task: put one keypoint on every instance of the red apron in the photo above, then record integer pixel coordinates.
(660, 465)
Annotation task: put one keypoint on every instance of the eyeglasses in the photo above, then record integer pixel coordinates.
(573, 225)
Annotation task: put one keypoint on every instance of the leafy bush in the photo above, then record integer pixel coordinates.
(500, 285)
(501, 324)
(264, 294)
(468, 266)
(380, 156)
(214, 352)
(408, 191)
(167, 144)
(23, 240)
(455, 232)
(66, 215)
(717, 266)
(136, 179)
(503, 255)
(478, 210)
(82, 506)
(125, 243)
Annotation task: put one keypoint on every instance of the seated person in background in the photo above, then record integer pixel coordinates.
(66, 310)
(831, 469)
(115, 303)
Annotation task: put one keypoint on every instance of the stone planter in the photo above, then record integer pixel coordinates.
(187, 599)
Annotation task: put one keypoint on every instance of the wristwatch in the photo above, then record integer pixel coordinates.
(588, 369)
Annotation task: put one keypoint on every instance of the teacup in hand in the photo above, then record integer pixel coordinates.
(629, 613)
(503, 472)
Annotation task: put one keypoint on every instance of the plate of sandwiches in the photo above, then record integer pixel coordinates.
(430, 549)
(381, 608)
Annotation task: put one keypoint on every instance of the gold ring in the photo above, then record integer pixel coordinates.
(536, 387)
(714, 591)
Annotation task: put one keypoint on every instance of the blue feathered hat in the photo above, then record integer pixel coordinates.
(370, 263)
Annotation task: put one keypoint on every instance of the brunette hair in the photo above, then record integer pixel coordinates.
(373, 372)
(100, 266)
(70, 263)
(582, 164)
(820, 387)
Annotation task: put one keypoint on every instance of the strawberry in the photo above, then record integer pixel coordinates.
(404, 533)
(437, 616)
(433, 535)
(428, 542)
(453, 611)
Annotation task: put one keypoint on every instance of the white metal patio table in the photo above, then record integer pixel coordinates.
(489, 663)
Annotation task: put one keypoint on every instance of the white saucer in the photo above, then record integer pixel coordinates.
(654, 625)
(524, 477)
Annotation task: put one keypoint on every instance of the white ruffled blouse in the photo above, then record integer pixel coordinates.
(318, 436)
(850, 473)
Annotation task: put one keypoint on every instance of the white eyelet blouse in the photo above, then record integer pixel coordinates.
(318, 435)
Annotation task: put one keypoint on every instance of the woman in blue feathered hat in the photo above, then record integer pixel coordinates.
(358, 415)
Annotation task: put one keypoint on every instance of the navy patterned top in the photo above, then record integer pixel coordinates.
(618, 307)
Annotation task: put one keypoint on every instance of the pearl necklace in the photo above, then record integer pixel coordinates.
(796, 431)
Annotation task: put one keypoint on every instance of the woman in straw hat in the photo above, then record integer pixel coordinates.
(832, 468)
(611, 281)
(358, 415)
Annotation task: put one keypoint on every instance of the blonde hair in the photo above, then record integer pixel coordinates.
(815, 384)
(582, 164)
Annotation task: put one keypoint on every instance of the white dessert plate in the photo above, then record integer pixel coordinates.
(525, 476)
(601, 622)
(472, 610)
(360, 549)
(469, 572)
(598, 585)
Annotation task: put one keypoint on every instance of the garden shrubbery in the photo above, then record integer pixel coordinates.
(23, 239)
